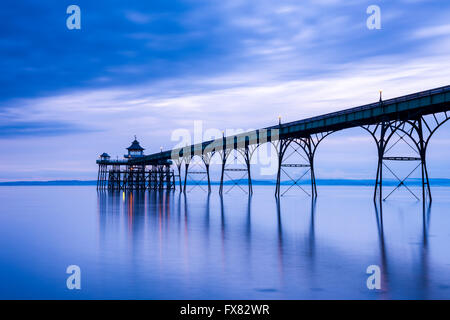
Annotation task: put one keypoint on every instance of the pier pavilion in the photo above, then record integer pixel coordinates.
(130, 174)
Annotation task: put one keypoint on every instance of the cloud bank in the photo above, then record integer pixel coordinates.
(149, 68)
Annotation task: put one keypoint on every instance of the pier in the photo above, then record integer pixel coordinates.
(415, 116)
(132, 174)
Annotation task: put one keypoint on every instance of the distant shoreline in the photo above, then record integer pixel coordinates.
(329, 182)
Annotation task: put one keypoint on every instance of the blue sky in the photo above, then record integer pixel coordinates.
(151, 67)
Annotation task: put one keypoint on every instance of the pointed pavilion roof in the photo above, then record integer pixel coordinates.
(135, 146)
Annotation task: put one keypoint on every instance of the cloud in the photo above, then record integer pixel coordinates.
(251, 101)
(149, 68)
(38, 129)
(138, 17)
(434, 31)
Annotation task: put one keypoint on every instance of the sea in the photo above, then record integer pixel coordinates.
(200, 245)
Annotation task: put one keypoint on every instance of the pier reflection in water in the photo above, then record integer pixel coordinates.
(172, 245)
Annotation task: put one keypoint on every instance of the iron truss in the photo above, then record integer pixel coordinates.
(415, 133)
(305, 147)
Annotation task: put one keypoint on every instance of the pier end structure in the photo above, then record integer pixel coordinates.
(134, 171)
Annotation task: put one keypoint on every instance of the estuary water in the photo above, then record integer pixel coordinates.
(167, 245)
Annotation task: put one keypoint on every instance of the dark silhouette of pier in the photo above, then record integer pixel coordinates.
(415, 116)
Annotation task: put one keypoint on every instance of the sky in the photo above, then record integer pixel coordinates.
(150, 68)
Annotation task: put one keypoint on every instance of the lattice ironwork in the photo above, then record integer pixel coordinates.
(306, 149)
(240, 157)
(197, 174)
(416, 134)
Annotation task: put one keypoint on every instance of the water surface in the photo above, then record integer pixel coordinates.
(156, 245)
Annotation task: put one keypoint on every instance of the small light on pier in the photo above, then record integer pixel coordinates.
(279, 120)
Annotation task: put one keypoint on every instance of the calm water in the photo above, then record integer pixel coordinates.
(171, 246)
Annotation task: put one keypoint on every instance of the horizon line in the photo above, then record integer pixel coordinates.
(323, 181)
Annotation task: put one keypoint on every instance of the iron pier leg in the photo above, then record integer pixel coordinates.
(277, 187)
(106, 177)
(103, 178)
(209, 180)
(423, 152)
(377, 179)
(179, 176)
(381, 178)
(173, 180)
(185, 176)
(168, 178)
(430, 198)
(249, 176)
(222, 176)
(381, 147)
(98, 175)
(313, 178)
(310, 150)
